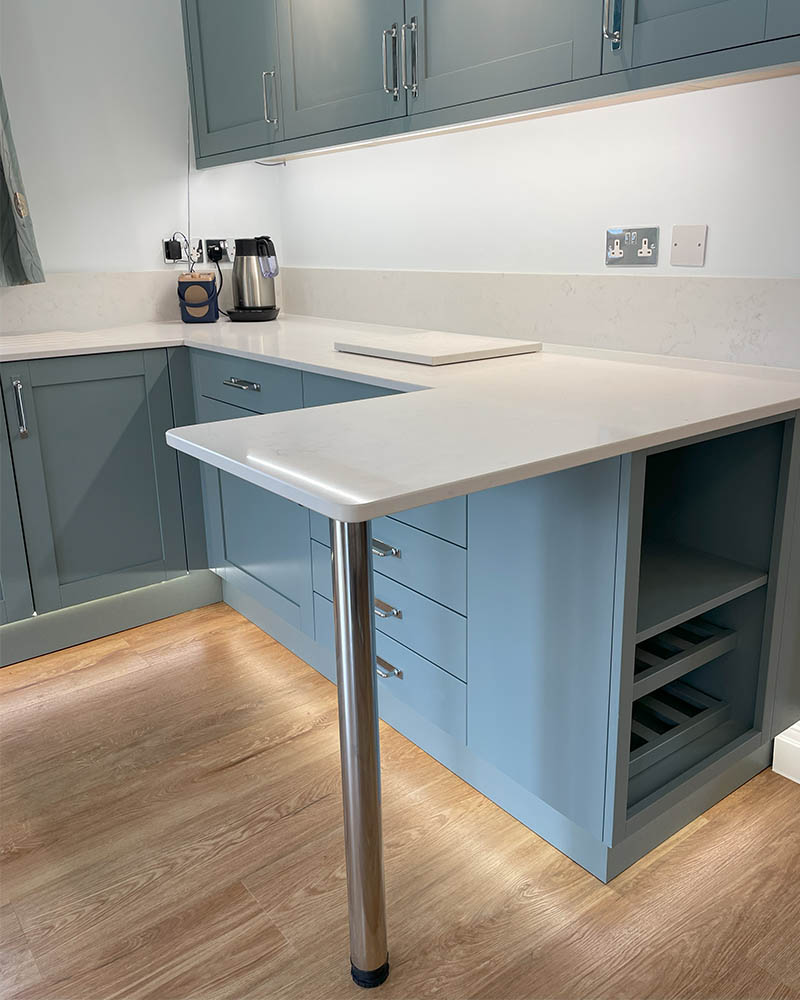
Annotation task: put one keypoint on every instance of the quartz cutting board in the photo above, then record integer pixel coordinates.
(435, 347)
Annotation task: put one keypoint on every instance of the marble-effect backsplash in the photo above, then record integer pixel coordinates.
(746, 320)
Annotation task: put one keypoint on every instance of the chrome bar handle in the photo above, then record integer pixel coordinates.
(242, 383)
(267, 117)
(412, 27)
(385, 669)
(612, 23)
(382, 550)
(23, 424)
(394, 90)
(384, 610)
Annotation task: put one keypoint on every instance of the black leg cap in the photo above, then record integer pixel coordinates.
(368, 980)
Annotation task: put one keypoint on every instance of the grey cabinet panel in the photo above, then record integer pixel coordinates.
(331, 63)
(229, 47)
(787, 691)
(15, 585)
(541, 563)
(466, 52)
(783, 18)
(656, 31)
(98, 486)
(257, 539)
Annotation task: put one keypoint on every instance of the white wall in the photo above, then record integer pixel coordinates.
(537, 196)
(98, 100)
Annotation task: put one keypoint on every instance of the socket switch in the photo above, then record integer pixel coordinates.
(688, 246)
(632, 247)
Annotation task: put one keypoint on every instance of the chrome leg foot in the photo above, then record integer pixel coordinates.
(360, 751)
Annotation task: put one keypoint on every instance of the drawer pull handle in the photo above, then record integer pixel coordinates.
(23, 424)
(242, 383)
(612, 23)
(385, 669)
(382, 550)
(384, 610)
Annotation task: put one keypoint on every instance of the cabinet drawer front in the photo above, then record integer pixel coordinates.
(322, 390)
(435, 568)
(446, 519)
(433, 631)
(278, 388)
(429, 691)
(427, 564)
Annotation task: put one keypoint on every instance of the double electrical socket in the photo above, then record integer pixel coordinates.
(213, 251)
(639, 247)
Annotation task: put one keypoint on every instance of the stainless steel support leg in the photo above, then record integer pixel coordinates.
(358, 736)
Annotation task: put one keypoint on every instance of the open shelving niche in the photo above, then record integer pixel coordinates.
(707, 540)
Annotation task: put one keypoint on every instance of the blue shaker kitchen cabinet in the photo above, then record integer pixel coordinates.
(332, 63)
(234, 74)
(15, 586)
(541, 613)
(783, 18)
(257, 541)
(459, 51)
(655, 31)
(98, 487)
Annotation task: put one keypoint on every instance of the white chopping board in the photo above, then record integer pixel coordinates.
(434, 347)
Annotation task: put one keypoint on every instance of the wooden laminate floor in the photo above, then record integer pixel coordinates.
(171, 828)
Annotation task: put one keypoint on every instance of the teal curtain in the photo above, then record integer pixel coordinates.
(19, 258)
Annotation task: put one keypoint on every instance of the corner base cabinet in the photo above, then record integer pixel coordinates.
(604, 651)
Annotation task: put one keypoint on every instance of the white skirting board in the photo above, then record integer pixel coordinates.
(787, 753)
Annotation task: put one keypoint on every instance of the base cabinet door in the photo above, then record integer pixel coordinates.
(655, 31)
(234, 76)
(98, 485)
(458, 51)
(257, 540)
(15, 586)
(332, 63)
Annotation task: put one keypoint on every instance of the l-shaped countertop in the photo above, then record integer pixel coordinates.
(469, 426)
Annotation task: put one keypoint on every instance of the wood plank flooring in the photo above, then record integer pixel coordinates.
(171, 828)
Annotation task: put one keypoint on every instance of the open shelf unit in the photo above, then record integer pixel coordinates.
(708, 520)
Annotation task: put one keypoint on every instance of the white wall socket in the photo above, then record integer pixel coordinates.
(688, 246)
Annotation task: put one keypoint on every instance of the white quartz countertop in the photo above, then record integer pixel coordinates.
(477, 424)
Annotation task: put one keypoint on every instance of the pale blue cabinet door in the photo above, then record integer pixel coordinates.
(257, 540)
(98, 485)
(229, 49)
(467, 51)
(783, 18)
(15, 585)
(331, 63)
(655, 31)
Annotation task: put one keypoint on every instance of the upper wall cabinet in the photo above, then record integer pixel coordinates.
(232, 53)
(783, 18)
(654, 31)
(276, 77)
(457, 51)
(339, 60)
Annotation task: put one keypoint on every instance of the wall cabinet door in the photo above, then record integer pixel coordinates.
(234, 76)
(15, 585)
(98, 485)
(257, 540)
(465, 51)
(332, 63)
(783, 18)
(655, 31)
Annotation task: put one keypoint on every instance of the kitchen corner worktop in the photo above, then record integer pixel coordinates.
(484, 424)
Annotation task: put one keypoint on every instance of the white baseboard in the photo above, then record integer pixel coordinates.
(787, 754)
